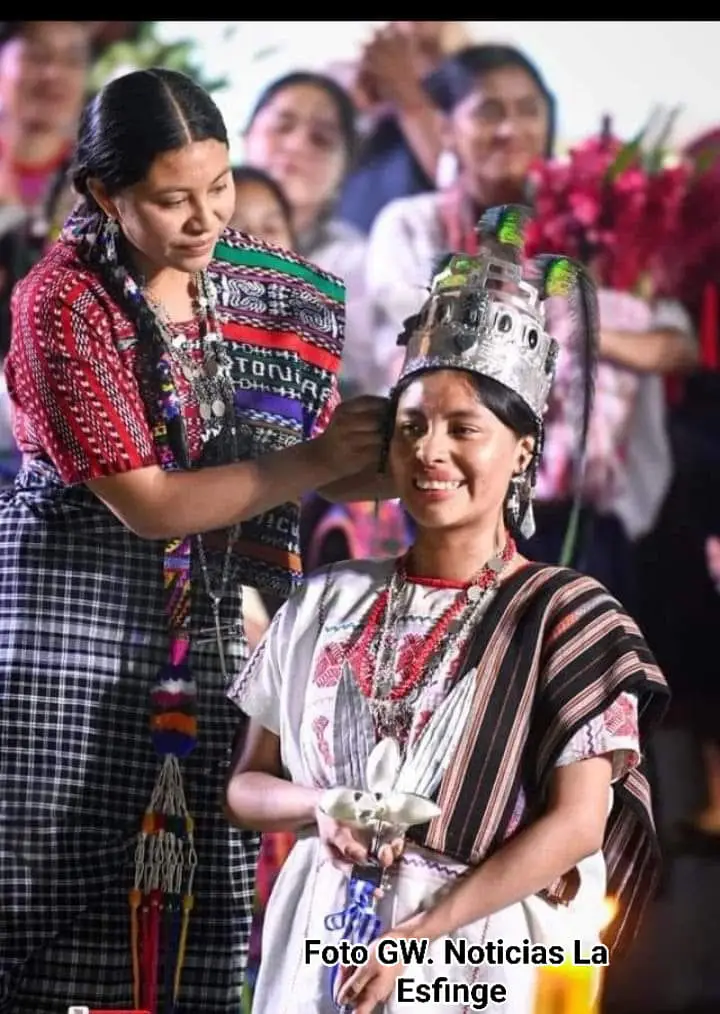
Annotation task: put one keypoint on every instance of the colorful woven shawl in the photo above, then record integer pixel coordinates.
(285, 322)
(553, 650)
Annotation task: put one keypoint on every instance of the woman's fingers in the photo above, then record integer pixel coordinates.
(348, 847)
(386, 856)
(391, 852)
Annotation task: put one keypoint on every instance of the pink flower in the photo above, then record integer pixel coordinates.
(585, 208)
(621, 223)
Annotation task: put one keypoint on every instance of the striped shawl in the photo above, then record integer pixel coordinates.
(553, 650)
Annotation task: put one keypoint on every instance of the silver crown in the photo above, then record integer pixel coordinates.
(484, 317)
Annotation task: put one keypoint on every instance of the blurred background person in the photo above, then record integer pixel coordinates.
(679, 560)
(302, 133)
(499, 117)
(500, 120)
(262, 208)
(43, 77)
(401, 148)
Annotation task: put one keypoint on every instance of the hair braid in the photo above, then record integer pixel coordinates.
(127, 293)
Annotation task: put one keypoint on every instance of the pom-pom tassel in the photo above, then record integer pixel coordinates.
(153, 948)
(171, 929)
(188, 903)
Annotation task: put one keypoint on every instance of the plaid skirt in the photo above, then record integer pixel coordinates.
(82, 636)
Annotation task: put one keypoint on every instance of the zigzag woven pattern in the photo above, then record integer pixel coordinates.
(284, 322)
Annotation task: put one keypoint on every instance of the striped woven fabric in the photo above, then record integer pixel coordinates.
(528, 704)
(284, 322)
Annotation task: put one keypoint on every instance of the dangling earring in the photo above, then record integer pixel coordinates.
(108, 241)
(513, 501)
(525, 493)
(446, 170)
(527, 525)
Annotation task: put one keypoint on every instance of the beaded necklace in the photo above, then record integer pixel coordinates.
(392, 700)
(162, 897)
(211, 383)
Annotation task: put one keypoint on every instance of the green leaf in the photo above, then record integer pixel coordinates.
(628, 154)
(149, 51)
(655, 157)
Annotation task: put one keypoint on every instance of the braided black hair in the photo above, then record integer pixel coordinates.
(123, 129)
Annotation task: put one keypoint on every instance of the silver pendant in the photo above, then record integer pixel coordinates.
(205, 411)
(218, 408)
(474, 593)
(189, 372)
(178, 341)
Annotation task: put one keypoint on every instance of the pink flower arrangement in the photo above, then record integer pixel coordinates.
(611, 206)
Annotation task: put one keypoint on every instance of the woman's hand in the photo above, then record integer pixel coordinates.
(344, 844)
(347, 845)
(392, 67)
(353, 440)
(372, 984)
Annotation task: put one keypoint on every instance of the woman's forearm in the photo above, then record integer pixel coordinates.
(367, 485)
(524, 866)
(651, 351)
(261, 802)
(421, 124)
(164, 505)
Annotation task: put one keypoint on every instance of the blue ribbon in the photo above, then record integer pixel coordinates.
(358, 922)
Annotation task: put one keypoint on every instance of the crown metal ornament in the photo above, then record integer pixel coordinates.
(483, 315)
(486, 316)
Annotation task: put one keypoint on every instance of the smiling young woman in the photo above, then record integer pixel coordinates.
(459, 441)
(515, 696)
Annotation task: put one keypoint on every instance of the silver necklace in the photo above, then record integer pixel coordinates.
(211, 383)
(210, 379)
(393, 717)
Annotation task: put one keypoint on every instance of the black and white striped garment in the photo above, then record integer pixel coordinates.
(82, 636)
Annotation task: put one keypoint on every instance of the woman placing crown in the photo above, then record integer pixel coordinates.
(455, 736)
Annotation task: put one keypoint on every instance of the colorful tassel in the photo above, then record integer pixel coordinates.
(135, 900)
(187, 904)
(165, 859)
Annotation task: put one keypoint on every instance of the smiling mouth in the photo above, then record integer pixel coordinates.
(437, 484)
(198, 248)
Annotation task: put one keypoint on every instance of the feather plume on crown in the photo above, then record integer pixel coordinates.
(485, 315)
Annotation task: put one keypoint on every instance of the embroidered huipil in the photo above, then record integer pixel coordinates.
(301, 685)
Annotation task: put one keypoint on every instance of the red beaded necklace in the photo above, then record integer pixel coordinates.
(473, 591)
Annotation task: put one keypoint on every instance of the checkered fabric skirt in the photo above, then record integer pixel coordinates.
(82, 636)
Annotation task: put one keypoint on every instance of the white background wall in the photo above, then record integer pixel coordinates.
(620, 67)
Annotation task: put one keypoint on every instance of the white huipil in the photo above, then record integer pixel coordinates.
(298, 686)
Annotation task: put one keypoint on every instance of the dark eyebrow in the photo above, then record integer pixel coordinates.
(462, 415)
(180, 190)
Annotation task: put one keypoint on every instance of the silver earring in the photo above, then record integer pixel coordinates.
(527, 525)
(513, 501)
(108, 238)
